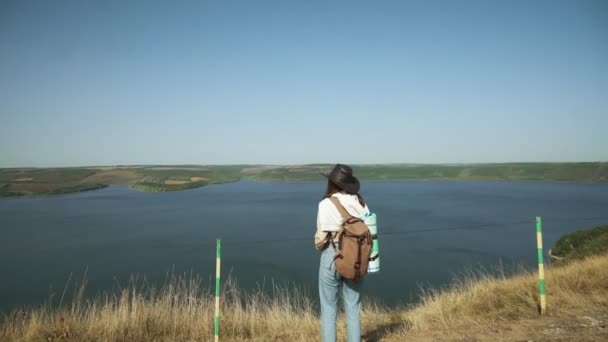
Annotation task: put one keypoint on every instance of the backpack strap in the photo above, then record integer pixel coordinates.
(345, 216)
(343, 212)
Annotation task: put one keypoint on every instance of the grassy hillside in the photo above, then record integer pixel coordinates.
(43, 182)
(575, 172)
(581, 244)
(159, 179)
(148, 186)
(25, 182)
(476, 308)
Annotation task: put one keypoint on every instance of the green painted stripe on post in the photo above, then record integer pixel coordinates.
(541, 266)
(217, 289)
(541, 283)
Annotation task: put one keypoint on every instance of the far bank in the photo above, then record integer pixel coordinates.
(18, 182)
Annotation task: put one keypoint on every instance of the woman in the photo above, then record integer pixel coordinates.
(344, 186)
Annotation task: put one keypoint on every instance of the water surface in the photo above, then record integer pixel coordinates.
(429, 232)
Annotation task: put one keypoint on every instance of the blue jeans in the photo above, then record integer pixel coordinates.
(330, 284)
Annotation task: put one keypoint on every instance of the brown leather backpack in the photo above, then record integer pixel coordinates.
(354, 246)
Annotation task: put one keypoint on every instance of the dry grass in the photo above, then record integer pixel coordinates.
(479, 300)
(183, 309)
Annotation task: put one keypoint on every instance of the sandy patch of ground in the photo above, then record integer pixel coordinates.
(179, 182)
(109, 168)
(175, 182)
(254, 170)
(23, 179)
(161, 168)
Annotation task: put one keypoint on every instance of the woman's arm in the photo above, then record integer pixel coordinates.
(328, 217)
(326, 223)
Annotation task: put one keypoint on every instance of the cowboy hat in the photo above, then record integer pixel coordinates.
(342, 176)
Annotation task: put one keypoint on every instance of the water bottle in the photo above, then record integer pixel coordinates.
(374, 263)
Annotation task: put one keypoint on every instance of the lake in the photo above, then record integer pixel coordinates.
(430, 231)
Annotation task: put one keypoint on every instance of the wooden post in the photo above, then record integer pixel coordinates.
(217, 288)
(541, 265)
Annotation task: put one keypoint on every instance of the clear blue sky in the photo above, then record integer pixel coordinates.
(223, 82)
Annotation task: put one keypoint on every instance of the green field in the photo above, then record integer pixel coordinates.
(570, 172)
(44, 182)
(56, 181)
(159, 178)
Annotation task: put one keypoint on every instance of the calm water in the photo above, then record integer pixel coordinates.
(432, 231)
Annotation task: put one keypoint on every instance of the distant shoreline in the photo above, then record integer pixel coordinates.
(28, 182)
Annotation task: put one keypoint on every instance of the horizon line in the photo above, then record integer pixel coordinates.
(306, 164)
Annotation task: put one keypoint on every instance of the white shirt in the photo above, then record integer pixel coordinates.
(329, 218)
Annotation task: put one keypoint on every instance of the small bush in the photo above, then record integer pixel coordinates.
(582, 243)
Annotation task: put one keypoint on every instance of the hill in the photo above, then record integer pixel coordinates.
(43, 182)
(566, 172)
(581, 244)
(475, 308)
(40, 182)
